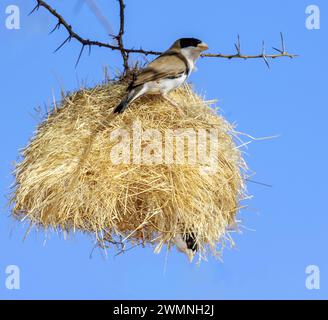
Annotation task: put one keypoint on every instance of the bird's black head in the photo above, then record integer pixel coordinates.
(189, 42)
(191, 241)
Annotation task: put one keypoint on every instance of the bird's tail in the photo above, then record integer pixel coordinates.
(126, 101)
(123, 105)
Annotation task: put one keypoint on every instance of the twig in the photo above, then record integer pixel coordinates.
(125, 51)
(119, 37)
(238, 55)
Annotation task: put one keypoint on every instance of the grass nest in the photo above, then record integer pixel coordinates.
(125, 178)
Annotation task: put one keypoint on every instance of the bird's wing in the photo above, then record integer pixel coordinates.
(165, 66)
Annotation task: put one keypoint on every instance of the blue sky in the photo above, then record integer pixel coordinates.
(288, 223)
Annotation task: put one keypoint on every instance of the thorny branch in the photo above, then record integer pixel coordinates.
(125, 52)
(119, 37)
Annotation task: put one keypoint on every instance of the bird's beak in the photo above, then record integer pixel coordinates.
(190, 255)
(203, 46)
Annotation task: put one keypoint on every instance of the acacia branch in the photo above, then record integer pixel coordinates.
(119, 37)
(125, 52)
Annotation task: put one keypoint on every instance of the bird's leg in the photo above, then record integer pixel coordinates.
(165, 96)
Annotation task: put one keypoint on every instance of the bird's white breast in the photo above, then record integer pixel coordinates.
(165, 85)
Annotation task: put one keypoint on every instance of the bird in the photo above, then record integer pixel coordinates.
(167, 72)
(187, 244)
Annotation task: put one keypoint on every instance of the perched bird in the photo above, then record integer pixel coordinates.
(167, 72)
(186, 244)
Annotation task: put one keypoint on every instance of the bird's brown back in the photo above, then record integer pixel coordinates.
(170, 64)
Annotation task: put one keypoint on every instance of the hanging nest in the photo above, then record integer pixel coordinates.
(124, 178)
